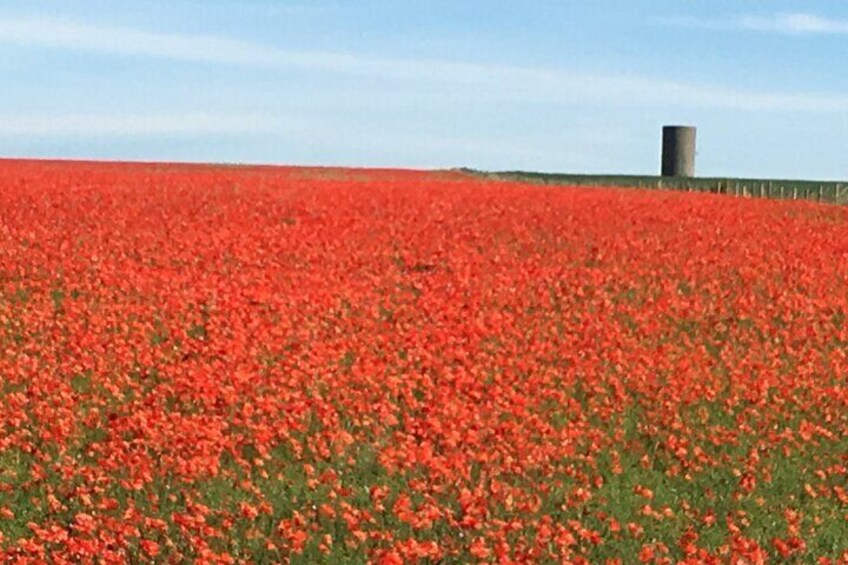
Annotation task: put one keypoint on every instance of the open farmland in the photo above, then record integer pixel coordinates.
(272, 364)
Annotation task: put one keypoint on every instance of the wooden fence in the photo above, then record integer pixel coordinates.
(832, 192)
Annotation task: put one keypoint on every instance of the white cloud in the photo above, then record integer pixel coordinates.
(793, 23)
(407, 148)
(82, 125)
(126, 41)
(470, 80)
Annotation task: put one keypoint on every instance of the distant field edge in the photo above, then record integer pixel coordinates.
(820, 191)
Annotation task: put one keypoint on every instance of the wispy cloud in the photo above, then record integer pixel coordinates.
(791, 23)
(795, 23)
(477, 80)
(97, 125)
(127, 41)
(403, 148)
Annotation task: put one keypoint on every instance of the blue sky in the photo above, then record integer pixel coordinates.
(543, 85)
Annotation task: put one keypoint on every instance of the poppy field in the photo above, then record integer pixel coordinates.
(263, 365)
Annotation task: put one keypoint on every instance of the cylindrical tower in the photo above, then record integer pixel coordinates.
(678, 151)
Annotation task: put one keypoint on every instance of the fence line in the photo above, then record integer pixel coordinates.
(832, 192)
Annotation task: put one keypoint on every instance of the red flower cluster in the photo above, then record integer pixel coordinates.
(233, 364)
